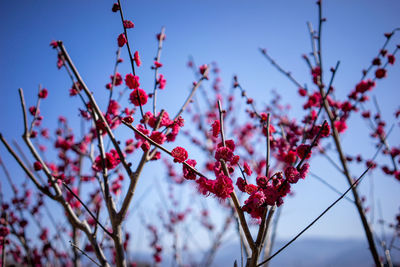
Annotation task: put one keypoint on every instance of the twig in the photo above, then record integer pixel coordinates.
(114, 79)
(313, 45)
(221, 121)
(280, 69)
(188, 99)
(36, 113)
(160, 43)
(87, 209)
(84, 253)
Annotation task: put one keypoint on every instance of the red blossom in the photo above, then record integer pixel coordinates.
(241, 183)
(290, 157)
(121, 40)
(340, 126)
(113, 107)
(111, 161)
(188, 173)
(115, 7)
(179, 154)
(262, 181)
(215, 128)
(136, 58)
(138, 97)
(302, 92)
(128, 24)
(43, 93)
(158, 137)
(205, 186)
(132, 81)
(376, 61)
(224, 153)
(143, 130)
(247, 169)
(203, 70)
(229, 144)
(391, 59)
(161, 82)
(128, 119)
(54, 44)
(33, 110)
(364, 86)
(37, 166)
(223, 186)
(157, 64)
(161, 36)
(325, 132)
(303, 151)
(380, 73)
(118, 79)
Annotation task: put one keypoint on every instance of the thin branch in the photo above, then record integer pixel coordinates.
(87, 209)
(279, 68)
(114, 78)
(313, 44)
(221, 121)
(160, 43)
(84, 253)
(189, 98)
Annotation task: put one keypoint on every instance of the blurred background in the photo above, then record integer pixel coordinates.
(230, 34)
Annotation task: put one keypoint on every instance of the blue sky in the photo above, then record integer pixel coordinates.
(227, 32)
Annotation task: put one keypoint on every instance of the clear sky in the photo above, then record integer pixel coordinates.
(227, 32)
